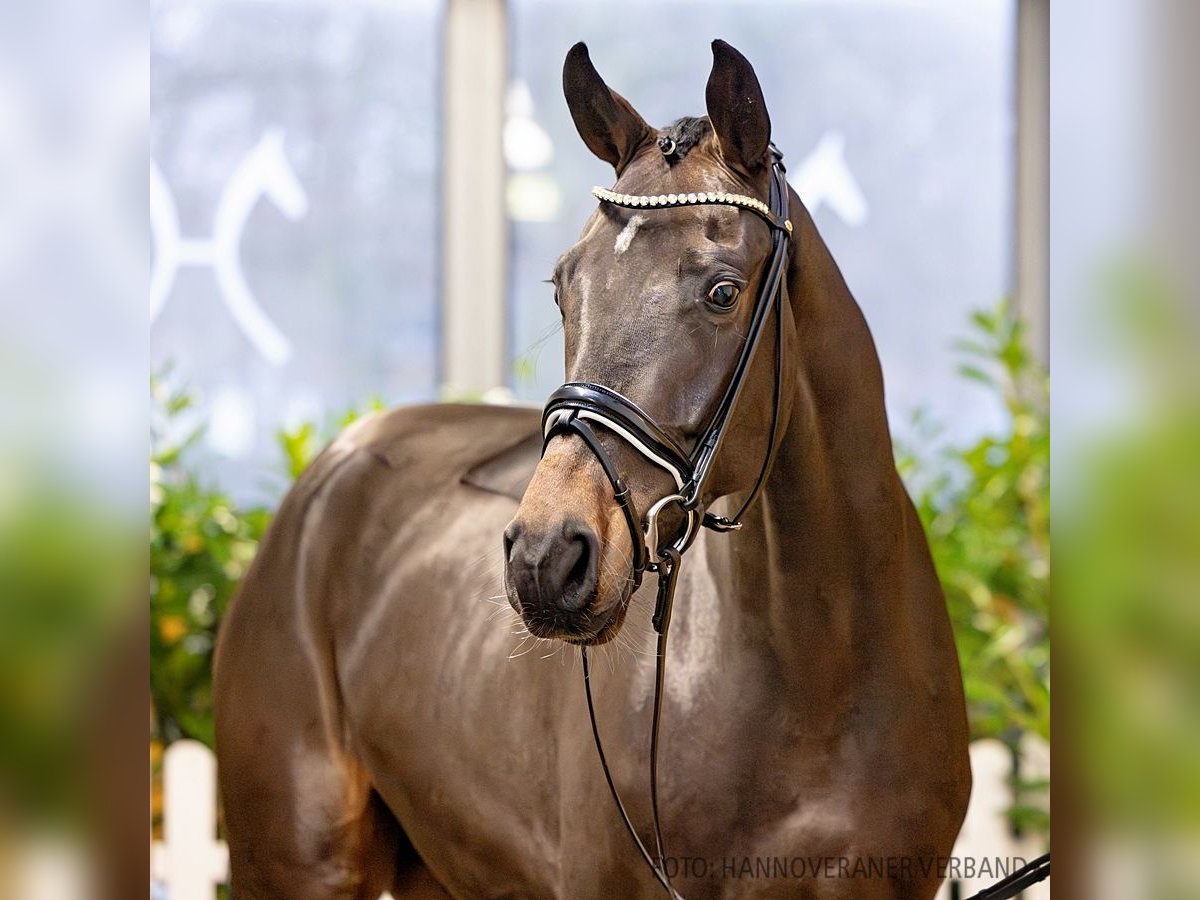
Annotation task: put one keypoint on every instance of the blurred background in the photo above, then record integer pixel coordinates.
(353, 204)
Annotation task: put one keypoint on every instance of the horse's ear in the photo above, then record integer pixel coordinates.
(610, 127)
(737, 111)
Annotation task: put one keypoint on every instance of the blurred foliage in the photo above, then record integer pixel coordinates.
(201, 544)
(1130, 538)
(1030, 811)
(65, 581)
(301, 444)
(1133, 553)
(986, 508)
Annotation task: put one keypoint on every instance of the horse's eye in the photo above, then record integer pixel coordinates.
(723, 295)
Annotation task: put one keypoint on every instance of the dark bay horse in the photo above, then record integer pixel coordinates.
(380, 727)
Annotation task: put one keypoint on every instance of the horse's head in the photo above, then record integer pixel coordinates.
(275, 175)
(656, 305)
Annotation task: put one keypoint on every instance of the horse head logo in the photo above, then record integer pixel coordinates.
(823, 177)
(267, 168)
(263, 172)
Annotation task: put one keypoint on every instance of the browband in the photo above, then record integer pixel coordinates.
(702, 198)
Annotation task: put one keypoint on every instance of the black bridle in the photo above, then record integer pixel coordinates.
(574, 407)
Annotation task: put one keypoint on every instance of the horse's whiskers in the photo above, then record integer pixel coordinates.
(627, 640)
(486, 559)
(557, 651)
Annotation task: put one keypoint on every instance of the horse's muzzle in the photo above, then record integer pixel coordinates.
(552, 574)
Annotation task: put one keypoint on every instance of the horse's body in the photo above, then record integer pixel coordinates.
(376, 730)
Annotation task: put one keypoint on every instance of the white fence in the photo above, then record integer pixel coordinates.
(190, 861)
(987, 850)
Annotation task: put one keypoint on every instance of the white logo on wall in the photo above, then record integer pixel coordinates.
(264, 171)
(824, 178)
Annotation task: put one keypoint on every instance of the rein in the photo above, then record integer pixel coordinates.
(576, 406)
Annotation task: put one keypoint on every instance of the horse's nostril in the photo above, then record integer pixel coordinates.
(577, 566)
(578, 571)
(511, 533)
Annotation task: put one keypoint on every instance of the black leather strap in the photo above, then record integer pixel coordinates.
(659, 869)
(575, 425)
(770, 297)
(578, 395)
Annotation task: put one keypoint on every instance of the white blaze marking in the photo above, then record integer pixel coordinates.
(625, 238)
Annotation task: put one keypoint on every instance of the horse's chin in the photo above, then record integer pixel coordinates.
(610, 624)
(608, 631)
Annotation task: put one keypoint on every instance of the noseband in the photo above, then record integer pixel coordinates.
(577, 406)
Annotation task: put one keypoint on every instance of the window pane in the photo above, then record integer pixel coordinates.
(294, 213)
(896, 119)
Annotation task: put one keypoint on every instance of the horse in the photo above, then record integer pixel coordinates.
(376, 727)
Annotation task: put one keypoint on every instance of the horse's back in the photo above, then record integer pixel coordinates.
(440, 445)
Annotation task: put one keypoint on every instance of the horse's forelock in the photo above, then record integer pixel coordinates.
(688, 132)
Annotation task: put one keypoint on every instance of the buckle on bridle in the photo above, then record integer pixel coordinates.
(650, 531)
(721, 523)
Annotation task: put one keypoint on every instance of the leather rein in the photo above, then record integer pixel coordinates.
(576, 407)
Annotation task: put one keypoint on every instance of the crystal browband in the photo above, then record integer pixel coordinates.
(719, 198)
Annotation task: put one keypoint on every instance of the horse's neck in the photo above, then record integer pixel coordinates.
(818, 566)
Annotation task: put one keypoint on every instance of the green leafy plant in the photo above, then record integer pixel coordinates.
(65, 582)
(201, 544)
(986, 508)
(1129, 532)
(301, 444)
